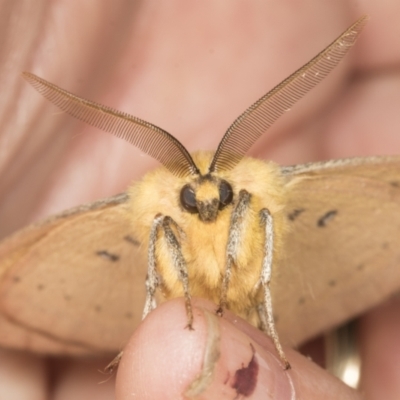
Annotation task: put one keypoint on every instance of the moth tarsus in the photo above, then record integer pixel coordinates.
(152, 278)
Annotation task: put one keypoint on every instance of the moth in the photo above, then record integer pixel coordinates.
(204, 226)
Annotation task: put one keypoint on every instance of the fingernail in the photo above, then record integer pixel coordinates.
(234, 366)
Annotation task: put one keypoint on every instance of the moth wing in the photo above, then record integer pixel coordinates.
(342, 251)
(73, 284)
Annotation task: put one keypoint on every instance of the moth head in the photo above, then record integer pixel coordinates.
(205, 193)
(206, 196)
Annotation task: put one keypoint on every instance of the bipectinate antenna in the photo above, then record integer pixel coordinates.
(249, 126)
(147, 137)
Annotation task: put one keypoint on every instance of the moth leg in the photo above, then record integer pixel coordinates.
(234, 240)
(113, 365)
(266, 272)
(153, 280)
(179, 264)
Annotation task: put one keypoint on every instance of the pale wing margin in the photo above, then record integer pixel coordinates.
(121, 198)
(352, 165)
(341, 254)
(27, 235)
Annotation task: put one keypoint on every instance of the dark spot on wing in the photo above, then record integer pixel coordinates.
(245, 379)
(131, 240)
(108, 256)
(295, 213)
(40, 286)
(332, 283)
(322, 221)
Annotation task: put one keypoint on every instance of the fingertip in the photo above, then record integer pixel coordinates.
(215, 360)
(162, 358)
(221, 358)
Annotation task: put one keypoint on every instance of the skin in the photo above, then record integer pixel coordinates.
(137, 60)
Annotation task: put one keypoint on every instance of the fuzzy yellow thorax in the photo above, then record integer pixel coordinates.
(204, 243)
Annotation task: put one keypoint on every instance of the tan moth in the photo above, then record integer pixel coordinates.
(211, 232)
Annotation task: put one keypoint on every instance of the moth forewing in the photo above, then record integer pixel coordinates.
(341, 245)
(215, 224)
(43, 266)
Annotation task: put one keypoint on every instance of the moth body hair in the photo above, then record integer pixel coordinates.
(204, 243)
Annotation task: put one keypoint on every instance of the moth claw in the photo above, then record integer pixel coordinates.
(189, 326)
(219, 311)
(287, 366)
(113, 365)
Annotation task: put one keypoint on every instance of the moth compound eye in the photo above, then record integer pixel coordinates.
(225, 194)
(188, 199)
